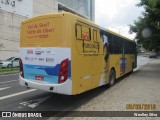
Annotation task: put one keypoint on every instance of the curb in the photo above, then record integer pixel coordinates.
(8, 73)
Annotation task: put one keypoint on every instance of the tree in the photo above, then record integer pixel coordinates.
(147, 27)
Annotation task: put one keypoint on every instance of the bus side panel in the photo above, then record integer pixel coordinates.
(101, 70)
(114, 62)
(130, 60)
(89, 68)
(82, 68)
(82, 65)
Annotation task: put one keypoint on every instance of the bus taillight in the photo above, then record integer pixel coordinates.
(21, 68)
(63, 72)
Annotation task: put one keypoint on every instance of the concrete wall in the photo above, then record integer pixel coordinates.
(9, 34)
(11, 17)
(20, 7)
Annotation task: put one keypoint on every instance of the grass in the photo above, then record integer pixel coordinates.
(2, 70)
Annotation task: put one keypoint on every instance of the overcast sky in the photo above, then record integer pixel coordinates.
(117, 14)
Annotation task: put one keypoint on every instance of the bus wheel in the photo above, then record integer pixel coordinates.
(112, 77)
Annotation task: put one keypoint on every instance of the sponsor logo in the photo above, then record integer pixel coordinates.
(41, 59)
(49, 59)
(48, 51)
(29, 51)
(30, 59)
(39, 52)
(35, 58)
(27, 58)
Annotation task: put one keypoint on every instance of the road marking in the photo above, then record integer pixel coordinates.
(8, 81)
(34, 103)
(8, 74)
(4, 88)
(16, 94)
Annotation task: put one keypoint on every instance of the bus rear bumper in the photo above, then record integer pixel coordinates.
(64, 88)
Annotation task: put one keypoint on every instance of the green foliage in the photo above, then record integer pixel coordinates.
(2, 70)
(147, 27)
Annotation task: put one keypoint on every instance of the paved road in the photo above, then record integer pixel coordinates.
(17, 98)
(141, 87)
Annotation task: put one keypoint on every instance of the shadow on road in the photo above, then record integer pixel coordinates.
(60, 103)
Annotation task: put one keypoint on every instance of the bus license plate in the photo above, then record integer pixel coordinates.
(39, 78)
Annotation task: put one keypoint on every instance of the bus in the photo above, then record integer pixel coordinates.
(66, 54)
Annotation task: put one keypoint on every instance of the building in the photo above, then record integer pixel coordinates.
(12, 12)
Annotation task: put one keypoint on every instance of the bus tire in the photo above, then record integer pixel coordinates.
(112, 77)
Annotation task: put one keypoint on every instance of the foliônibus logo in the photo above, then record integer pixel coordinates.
(29, 51)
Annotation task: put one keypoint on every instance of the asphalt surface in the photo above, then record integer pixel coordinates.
(14, 97)
(140, 87)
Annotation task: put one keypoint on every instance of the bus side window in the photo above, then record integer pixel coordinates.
(86, 33)
(104, 39)
(106, 47)
(94, 35)
(96, 42)
(100, 41)
(98, 36)
(78, 31)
